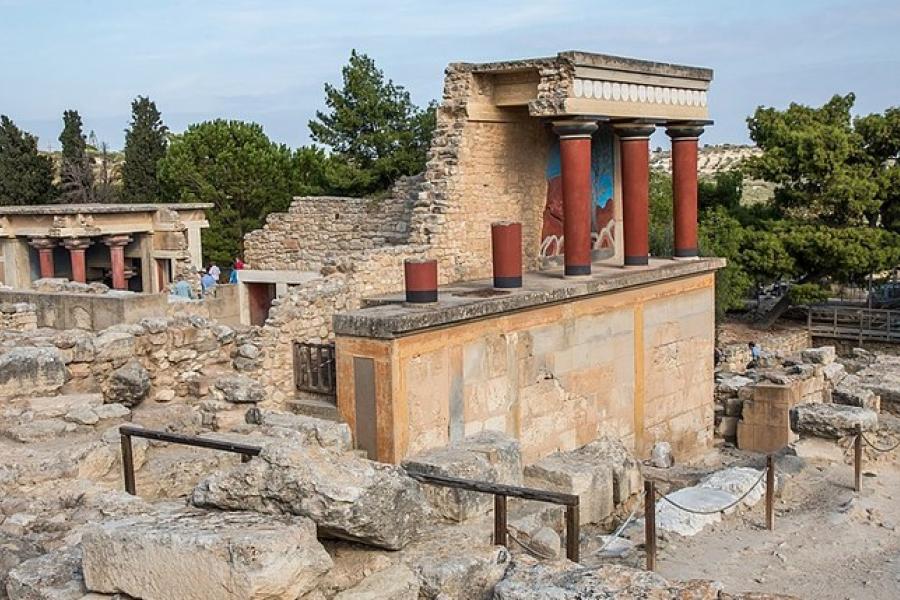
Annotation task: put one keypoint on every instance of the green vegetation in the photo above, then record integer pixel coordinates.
(145, 145)
(76, 169)
(26, 177)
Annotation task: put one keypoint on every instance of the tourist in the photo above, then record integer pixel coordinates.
(755, 355)
(238, 265)
(182, 288)
(214, 271)
(207, 282)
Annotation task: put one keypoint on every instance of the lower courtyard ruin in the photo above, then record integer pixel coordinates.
(458, 392)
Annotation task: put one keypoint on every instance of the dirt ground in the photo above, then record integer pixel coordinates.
(829, 542)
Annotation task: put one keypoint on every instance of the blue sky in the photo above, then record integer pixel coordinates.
(267, 61)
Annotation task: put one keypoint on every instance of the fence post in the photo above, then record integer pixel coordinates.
(770, 493)
(128, 465)
(572, 533)
(499, 519)
(857, 460)
(650, 523)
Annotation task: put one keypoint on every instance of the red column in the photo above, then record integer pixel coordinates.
(421, 280)
(117, 245)
(684, 188)
(575, 161)
(634, 143)
(77, 247)
(45, 255)
(506, 252)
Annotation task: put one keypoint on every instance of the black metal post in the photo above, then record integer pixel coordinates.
(128, 465)
(857, 459)
(499, 519)
(572, 533)
(650, 523)
(770, 493)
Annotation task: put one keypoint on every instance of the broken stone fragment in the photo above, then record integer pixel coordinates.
(31, 371)
(53, 576)
(488, 456)
(14, 550)
(238, 389)
(661, 455)
(321, 432)
(128, 385)
(194, 555)
(396, 582)
(346, 496)
(831, 420)
(852, 392)
(823, 355)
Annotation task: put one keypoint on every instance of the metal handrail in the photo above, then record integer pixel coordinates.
(501, 492)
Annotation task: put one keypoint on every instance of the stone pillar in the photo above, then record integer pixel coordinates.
(684, 188)
(634, 140)
(575, 160)
(76, 247)
(117, 245)
(45, 248)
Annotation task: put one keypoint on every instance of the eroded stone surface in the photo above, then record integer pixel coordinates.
(238, 389)
(321, 432)
(128, 385)
(831, 420)
(31, 371)
(196, 555)
(347, 497)
(53, 576)
(396, 582)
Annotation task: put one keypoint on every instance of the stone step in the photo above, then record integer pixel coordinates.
(312, 407)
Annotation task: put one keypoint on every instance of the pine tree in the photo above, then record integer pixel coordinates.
(145, 145)
(26, 177)
(76, 169)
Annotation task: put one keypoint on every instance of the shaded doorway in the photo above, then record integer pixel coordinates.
(259, 297)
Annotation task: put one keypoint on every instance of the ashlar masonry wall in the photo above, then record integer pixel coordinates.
(636, 364)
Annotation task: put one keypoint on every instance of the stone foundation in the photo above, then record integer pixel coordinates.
(20, 316)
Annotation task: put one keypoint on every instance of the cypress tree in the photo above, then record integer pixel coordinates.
(145, 145)
(26, 177)
(76, 169)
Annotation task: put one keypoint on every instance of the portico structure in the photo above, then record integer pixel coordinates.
(137, 247)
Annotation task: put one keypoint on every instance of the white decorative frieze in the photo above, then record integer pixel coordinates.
(632, 92)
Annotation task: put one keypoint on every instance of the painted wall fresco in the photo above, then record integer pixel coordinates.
(602, 217)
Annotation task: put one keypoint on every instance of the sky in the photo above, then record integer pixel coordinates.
(268, 61)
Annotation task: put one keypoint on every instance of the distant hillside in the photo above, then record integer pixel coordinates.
(715, 159)
(115, 160)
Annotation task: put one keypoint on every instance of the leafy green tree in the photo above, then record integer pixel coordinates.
(235, 166)
(373, 130)
(661, 233)
(145, 145)
(722, 235)
(76, 167)
(26, 176)
(881, 143)
(725, 189)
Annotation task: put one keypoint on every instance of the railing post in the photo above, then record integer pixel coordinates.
(650, 523)
(573, 535)
(128, 465)
(770, 493)
(857, 460)
(499, 519)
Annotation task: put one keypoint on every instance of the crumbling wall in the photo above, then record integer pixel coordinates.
(20, 316)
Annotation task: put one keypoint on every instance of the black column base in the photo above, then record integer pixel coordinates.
(575, 270)
(508, 282)
(421, 296)
(637, 261)
(686, 252)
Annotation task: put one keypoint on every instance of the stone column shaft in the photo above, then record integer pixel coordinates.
(684, 189)
(575, 161)
(635, 152)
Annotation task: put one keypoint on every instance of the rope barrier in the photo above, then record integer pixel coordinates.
(617, 532)
(878, 448)
(528, 548)
(719, 510)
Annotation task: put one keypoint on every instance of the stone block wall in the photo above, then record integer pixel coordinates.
(736, 356)
(635, 364)
(20, 316)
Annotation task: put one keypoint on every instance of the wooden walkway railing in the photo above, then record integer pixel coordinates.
(851, 323)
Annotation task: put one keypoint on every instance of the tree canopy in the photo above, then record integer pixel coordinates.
(235, 166)
(145, 145)
(374, 132)
(26, 176)
(76, 167)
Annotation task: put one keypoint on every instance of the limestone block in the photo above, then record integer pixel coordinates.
(238, 389)
(39, 430)
(113, 345)
(194, 555)
(661, 455)
(321, 432)
(831, 420)
(14, 550)
(727, 427)
(52, 576)
(675, 520)
(834, 372)
(572, 473)
(397, 582)
(31, 371)
(823, 355)
(48, 407)
(487, 456)
(346, 496)
(128, 385)
(737, 481)
(852, 392)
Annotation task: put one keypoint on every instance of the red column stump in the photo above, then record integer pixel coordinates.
(421, 280)
(506, 251)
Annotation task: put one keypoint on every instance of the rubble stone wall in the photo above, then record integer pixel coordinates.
(737, 356)
(20, 316)
(636, 365)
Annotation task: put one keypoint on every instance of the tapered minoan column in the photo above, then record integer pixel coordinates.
(117, 245)
(45, 248)
(684, 188)
(575, 161)
(634, 141)
(77, 247)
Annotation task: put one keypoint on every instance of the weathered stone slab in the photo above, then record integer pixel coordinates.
(128, 385)
(831, 420)
(348, 497)
(238, 389)
(204, 556)
(114, 345)
(48, 407)
(530, 580)
(52, 576)
(14, 551)
(31, 371)
(487, 456)
(852, 392)
(824, 355)
(737, 481)
(321, 432)
(397, 582)
(672, 519)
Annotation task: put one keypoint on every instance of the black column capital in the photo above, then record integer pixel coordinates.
(574, 128)
(634, 131)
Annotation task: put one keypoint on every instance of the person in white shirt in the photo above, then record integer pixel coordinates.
(215, 272)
